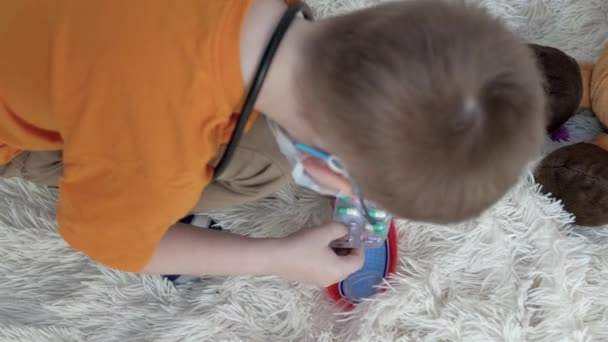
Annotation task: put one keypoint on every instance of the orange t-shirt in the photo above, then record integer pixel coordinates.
(138, 94)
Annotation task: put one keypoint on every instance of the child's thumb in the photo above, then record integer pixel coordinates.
(354, 259)
(335, 231)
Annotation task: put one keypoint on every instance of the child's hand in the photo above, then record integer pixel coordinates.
(306, 256)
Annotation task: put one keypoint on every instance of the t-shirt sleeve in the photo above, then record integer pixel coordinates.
(117, 215)
(7, 154)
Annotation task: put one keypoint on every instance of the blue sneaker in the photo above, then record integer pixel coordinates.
(202, 221)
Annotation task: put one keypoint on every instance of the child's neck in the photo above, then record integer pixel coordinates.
(278, 97)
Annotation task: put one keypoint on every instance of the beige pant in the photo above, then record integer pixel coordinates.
(257, 169)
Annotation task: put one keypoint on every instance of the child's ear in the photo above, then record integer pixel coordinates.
(323, 175)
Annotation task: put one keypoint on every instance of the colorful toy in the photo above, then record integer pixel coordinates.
(363, 230)
(576, 174)
(379, 263)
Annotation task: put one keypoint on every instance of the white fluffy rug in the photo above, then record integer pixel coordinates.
(519, 273)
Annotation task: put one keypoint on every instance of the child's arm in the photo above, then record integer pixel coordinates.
(304, 256)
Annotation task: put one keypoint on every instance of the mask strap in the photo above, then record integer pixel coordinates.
(258, 81)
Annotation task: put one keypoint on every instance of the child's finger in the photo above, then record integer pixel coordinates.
(319, 170)
(357, 252)
(355, 259)
(335, 231)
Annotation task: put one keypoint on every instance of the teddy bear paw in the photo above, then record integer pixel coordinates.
(578, 176)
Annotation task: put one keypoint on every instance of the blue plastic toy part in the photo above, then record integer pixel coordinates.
(362, 284)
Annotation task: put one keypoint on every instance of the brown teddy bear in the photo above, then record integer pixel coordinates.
(563, 84)
(576, 174)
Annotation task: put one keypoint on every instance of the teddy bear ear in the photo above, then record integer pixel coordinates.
(562, 84)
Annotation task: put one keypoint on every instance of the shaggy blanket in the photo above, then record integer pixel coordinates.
(520, 272)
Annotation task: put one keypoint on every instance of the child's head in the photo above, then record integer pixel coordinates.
(435, 107)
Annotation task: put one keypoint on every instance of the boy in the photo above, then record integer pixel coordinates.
(433, 107)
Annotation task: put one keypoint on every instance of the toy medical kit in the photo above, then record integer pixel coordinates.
(379, 263)
(363, 230)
